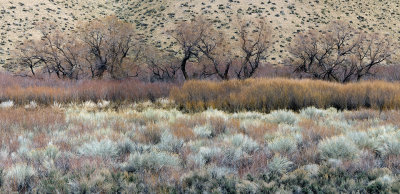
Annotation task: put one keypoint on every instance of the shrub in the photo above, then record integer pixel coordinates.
(390, 145)
(282, 116)
(361, 139)
(170, 143)
(203, 131)
(126, 146)
(104, 148)
(7, 104)
(204, 155)
(338, 147)
(242, 142)
(313, 113)
(24, 90)
(20, 177)
(283, 144)
(279, 165)
(154, 161)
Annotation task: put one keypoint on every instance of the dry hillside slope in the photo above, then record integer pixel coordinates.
(152, 18)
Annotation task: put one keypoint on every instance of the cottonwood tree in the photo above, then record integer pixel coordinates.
(103, 46)
(27, 57)
(162, 66)
(188, 34)
(218, 52)
(255, 40)
(113, 47)
(54, 53)
(62, 55)
(339, 52)
(244, 58)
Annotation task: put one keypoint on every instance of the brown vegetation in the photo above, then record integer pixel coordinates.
(272, 94)
(24, 90)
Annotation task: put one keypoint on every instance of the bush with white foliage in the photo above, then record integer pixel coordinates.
(170, 143)
(279, 165)
(283, 116)
(154, 160)
(242, 142)
(20, 176)
(338, 147)
(104, 148)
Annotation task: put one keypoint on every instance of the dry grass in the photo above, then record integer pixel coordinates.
(272, 94)
(24, 90)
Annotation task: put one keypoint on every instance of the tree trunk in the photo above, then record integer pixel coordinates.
(183, 66)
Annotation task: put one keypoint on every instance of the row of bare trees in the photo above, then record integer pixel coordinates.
(99, 47)
(340, 53)
(215, 55)
(110, 48)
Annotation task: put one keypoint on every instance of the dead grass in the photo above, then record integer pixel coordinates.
(272, 94)
(24, 90)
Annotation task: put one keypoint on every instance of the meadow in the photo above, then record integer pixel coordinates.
(163, 144)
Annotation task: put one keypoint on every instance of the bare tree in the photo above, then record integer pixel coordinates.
(188, 35)
(218, 51)
(61, 54)
(244, 58)
(26, 57)
(162, 66)
(339, 53)
(111, 43)
(255, 37)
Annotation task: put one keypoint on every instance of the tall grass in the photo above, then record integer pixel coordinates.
(273, 94)
(25, 90)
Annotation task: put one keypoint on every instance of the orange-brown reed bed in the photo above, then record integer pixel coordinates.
(24, 90)
(272, 94)
(259, 94)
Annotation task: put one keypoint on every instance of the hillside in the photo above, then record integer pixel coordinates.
(153, 17)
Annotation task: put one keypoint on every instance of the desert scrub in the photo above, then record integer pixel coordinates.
(283, 116)
(283, 144)
(279, 165)
(170, 143)
(107, 150)
(153, 161)
(20, 177)
(104, 148)
(313, 113)
(242, 142)
(338, 147)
